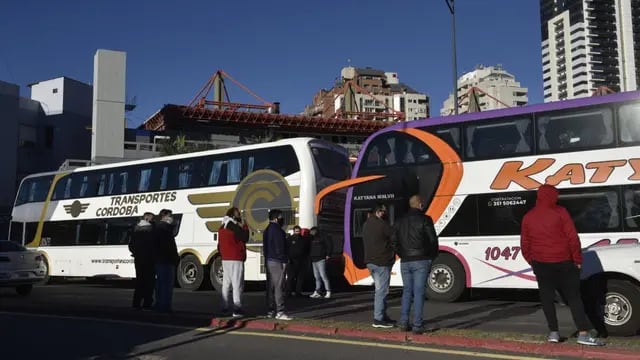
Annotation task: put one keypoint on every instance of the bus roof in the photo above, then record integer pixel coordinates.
(290, 141)
(514, 111)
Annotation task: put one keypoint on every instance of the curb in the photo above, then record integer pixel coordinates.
(512, 346)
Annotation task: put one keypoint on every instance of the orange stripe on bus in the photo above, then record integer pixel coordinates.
(351, 272)
(341, 185)
(451, 171)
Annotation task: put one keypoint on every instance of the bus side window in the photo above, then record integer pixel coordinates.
(593, 209)
(629, 123)
(498, 139)
(569, 131)
(632, 207)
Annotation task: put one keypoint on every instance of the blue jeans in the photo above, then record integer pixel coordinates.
(414, 280)
(166, 275)
(380, 275)
(320, 274)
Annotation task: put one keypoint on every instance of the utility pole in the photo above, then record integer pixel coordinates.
(452, 10)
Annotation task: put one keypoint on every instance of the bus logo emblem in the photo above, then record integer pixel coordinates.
(76, 208)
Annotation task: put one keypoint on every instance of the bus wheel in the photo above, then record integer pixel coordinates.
(45, 264)
(215, 273)
(190, 273)
(446, 281)
(619, 315)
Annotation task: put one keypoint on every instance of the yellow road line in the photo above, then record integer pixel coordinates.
(240, 332)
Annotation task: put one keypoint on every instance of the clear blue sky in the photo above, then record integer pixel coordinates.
(284, 50)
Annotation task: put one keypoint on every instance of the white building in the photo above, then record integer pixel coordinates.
(502, 87)
(587, 44)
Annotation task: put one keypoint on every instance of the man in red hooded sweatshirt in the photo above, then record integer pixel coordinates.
(550, 244)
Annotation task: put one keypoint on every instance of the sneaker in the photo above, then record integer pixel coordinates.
(327, 295)
(284, 317)
(271, 314)
(404, 327)
(590, 340)
(238, 313)
(389, 320)
(315, 295)
(554, 337)
(225, 312)
(382, 324)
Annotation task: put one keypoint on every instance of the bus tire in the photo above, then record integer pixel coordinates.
(446, 282)
(190, 273)
(215, 273)
(620, 316)
(46, 279)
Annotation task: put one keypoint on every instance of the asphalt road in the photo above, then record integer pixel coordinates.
(507, 311)
(32, 336)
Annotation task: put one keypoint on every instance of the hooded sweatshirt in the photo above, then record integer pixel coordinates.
(232, 238)
(142, 242)
(548, 233)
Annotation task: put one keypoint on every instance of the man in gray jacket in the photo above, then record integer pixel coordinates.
(379, 257)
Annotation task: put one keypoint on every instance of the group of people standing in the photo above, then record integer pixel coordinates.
(286, 260)
(413, 239)
(153, 247)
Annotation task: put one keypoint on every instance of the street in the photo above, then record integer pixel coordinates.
(26, 336)
(505, 311)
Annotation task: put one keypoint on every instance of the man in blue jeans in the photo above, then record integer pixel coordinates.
(379, 257)
(415, 241)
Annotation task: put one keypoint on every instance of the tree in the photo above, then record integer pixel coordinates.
(180, 145)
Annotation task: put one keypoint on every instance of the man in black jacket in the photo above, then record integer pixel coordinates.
(379, 257)
(142, 249)
(298, 251)
(415, 241)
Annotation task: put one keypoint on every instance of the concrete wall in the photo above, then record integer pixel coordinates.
(108, 106)
(50, 94)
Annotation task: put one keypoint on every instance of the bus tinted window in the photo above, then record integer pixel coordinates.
(502, 213)
(331, 164)
(34, 189)
(499, 139)
(281, 159)
(631, 207)
(564, 131)
(396, 149)
(629, 123)
(592, 210)
(451, 136)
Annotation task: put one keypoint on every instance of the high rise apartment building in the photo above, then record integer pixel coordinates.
(494, 87)
(588, 44)
(367, 93)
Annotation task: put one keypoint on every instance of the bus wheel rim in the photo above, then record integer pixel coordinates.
(189, 273)
(441, 279)
(617, 309)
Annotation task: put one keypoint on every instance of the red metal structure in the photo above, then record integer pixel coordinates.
(220, 110)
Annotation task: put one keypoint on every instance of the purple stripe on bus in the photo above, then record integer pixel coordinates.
(556, 105)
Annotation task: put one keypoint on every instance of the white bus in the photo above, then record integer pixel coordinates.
(81, 219)
(477, 174)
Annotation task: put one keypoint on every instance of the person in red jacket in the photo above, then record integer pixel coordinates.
(550, 244)
(232, 239)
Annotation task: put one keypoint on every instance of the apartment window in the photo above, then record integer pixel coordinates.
(55, 90)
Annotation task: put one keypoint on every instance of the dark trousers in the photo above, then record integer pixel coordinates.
(295, 276)
(564, 277)
(145, 283)
(166, 274)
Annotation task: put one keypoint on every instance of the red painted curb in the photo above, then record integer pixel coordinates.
(511, 346)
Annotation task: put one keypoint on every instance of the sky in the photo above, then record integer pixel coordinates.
(283, 50)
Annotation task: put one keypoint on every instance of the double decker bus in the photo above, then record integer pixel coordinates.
(477, 174)
(81, 219)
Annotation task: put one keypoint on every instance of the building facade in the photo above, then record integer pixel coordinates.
(366, 93)
(502, 87)
(41, 132)
(588, 44)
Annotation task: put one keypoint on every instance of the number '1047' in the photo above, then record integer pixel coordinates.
(508, 253)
